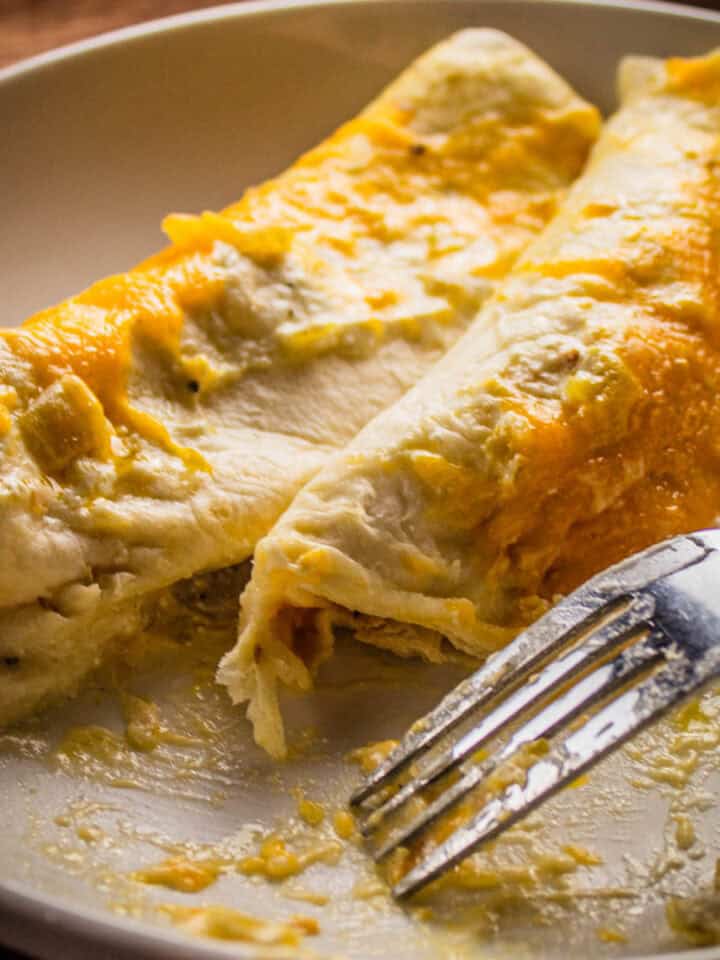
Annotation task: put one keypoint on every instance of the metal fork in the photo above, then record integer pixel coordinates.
(607, 661)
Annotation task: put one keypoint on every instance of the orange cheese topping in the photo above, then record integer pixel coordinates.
(658, 409)
(180, 873)
(564, 539)
(354, 186)
(695, 77)
(91, 335)
(224, 923)
(624, 452)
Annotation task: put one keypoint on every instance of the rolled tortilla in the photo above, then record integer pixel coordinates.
(575, 422)
(155, 426)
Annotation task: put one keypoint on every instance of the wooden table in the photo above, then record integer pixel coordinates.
(28, 27)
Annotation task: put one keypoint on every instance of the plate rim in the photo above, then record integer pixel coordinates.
(128, 938)
(253, 8)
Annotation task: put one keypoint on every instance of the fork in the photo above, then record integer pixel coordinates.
(607, 661)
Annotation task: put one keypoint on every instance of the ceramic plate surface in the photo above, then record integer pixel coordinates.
(98, 142)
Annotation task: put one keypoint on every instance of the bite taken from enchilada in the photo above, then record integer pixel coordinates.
(155, 426)
(576, 422)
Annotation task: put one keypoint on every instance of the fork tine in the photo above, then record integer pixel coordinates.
(556, 715)
(603, 733)
(521, 656)
(469, 695)
(599, 642)
(504, 667)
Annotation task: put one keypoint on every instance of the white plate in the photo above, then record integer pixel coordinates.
(98, 142)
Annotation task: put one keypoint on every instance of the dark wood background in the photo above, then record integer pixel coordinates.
(28, 27)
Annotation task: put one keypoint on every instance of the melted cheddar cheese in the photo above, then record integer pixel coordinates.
(157, 424)
(575, 423)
